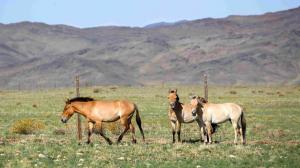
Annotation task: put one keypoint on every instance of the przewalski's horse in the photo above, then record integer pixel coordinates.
(219, 113)
(182, 113)
(96, 112)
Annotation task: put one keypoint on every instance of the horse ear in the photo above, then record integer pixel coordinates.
(67, 101)
(201, 100)
(192, 97)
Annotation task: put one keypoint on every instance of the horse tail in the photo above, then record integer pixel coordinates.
(139, 121)
(243, 122)
(214, 127)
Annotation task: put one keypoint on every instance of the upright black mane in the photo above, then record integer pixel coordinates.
(81, 99)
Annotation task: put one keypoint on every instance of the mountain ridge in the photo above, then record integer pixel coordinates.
(256, 49)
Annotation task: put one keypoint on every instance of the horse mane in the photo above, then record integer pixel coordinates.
(201, 99)
(81, 99)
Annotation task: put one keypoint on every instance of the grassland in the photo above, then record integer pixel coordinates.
(273, 131)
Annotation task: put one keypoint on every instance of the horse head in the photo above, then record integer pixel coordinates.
(68, 112)
(196, 103)
(173, 98)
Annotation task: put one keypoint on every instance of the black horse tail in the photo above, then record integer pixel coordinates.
(139, 121)
(214, 127)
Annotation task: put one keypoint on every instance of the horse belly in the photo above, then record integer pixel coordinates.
(105, 115)
(189, 119)
(219, 119)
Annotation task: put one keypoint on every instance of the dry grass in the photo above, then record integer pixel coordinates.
(26, 126)
(96, 90)
(233, 92)
(59, 132)
(268, 135)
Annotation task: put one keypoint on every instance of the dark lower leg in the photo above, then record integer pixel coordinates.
(132, 130)
(173, 133)
(178, 128)
(122, 134)
(106, 138)
(178, 135)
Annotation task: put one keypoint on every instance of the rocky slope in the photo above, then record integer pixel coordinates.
(263, 49)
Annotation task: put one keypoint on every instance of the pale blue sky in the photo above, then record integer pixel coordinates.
(90, 13)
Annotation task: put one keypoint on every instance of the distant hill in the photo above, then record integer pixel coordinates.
(262, 49)
(161, 24)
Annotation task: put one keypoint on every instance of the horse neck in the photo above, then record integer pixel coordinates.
(178, 107)
(80, 107)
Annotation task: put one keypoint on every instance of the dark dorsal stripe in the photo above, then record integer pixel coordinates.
(81, 99)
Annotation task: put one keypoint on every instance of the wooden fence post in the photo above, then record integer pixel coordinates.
(205, 87)
(79, 133)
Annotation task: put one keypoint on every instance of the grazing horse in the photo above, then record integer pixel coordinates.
(219, 113)
(182, 113)
(97, 111)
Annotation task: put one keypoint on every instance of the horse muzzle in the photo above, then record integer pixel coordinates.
(194, 112)
(64, 119)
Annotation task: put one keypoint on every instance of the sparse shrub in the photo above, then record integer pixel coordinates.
(96, 90)
(71, 92)
(26, 126)
(253, 91)
(113, 88)
(258, 128)
(59, 132)
(34, 105)
(277, 133)
(270, 93)
(18, 103)
(233, 92)
(260, 91)
(280, 94)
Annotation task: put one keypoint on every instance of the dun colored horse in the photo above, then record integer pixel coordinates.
(182, 113)
(96, 112)
(220, 113)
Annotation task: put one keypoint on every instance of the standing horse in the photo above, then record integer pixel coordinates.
(182, 113)
(220, 113)
(97, 111)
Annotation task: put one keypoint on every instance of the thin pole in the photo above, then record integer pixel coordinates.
(205, 87)
(79, 132)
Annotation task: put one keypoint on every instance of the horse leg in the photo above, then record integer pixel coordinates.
(236, 131)
(125, 123)
(209, 131)
(132, 129)
(90, 131)
(202, 129)
(173, 125)
(103, 135)
(178, 128)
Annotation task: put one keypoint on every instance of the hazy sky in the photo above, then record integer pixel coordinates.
(90, 13)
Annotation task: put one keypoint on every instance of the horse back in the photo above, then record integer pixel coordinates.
(221, 112)
(122, 107)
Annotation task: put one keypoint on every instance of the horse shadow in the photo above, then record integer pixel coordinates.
(192, 141)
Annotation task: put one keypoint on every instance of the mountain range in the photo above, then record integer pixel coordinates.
(236, 50)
